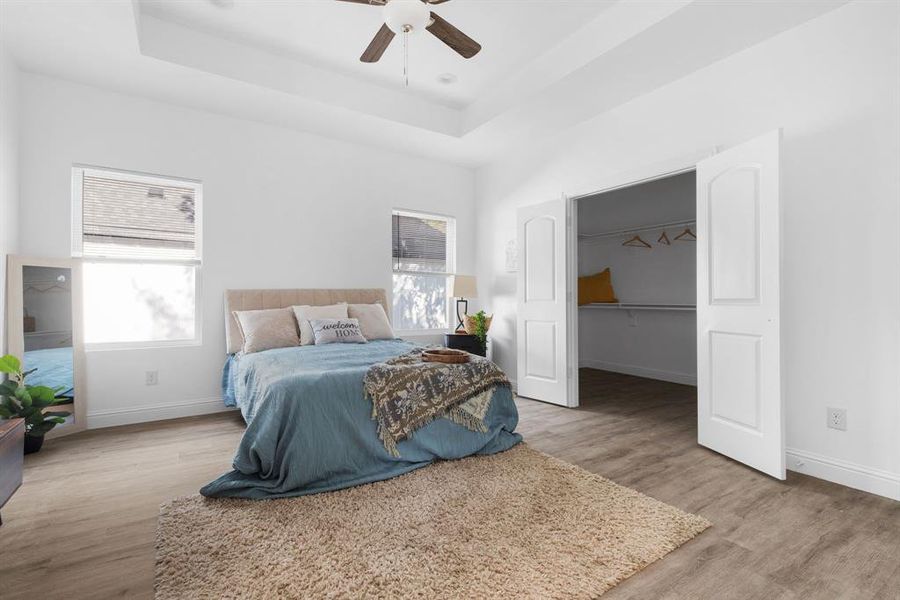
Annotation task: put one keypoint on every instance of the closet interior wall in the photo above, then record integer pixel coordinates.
(658, 342)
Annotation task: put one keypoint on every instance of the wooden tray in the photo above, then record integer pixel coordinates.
(445, 355)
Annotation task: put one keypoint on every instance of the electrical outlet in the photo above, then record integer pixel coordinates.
(837, 418)
(152, 377)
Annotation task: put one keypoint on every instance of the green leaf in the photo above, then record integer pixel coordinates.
(6, 413)
(41, 428)
(41, 392)
(56, 420)
(10, 404)
(9, 364)
(23, 396)
(8, 388)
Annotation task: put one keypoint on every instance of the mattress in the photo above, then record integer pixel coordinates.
(54, 368)
(310, 427)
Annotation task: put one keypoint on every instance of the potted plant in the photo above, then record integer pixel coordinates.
(478, 325)
(19, 400)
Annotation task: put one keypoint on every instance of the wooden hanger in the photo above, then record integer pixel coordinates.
(664, 239)
(637, 242)
(686, 236)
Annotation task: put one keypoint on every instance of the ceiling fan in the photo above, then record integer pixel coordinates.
(412, 16)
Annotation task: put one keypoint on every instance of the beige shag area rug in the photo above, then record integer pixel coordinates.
(517, 524)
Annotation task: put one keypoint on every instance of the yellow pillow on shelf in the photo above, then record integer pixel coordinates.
(596, 288)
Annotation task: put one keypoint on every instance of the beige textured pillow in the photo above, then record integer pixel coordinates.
(305, 314)
(373, 321)
(267, 329)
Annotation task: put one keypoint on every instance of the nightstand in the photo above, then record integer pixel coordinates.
(463, 341)
(12, 439)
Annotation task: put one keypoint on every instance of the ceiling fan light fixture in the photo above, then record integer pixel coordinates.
(406, 16)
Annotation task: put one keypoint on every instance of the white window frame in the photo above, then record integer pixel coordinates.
(78, 172)
(451, 269)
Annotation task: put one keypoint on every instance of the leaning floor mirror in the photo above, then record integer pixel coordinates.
(43, 324)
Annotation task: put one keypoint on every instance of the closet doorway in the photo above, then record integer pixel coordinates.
(638, 322)
(637, 283)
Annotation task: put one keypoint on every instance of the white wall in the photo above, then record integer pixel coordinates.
(833, 84)
(281, 209)
(648, 343)
(9, 174)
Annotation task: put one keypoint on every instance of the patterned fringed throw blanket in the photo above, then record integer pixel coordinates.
(408, 393)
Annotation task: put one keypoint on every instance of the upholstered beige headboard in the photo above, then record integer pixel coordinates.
(259, 299)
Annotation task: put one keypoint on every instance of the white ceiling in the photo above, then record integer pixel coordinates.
(546, 65)
(332, 35)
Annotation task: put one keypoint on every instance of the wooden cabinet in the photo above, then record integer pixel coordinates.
(12, 441)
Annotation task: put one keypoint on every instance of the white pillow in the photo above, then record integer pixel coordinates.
(373, 321)
(267, 329)
(305, 314)
(337, 331)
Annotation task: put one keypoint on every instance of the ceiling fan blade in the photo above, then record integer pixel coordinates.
(453, 37)
(378, 45)
(435, 1)
(372, 2)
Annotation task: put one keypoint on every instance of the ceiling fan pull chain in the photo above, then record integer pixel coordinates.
(406, 56)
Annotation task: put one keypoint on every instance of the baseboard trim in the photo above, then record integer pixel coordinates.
(156, 412)
(874, 481)
(671, 376)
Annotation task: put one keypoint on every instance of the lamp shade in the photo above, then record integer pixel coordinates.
(463, 286)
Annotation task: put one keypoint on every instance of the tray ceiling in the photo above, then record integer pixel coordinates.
(546, 65)
(332, 35)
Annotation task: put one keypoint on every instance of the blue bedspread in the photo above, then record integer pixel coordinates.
(310, 426)
(54, 369)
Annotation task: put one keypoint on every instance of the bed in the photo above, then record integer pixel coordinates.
(309, 423)
(54, 368)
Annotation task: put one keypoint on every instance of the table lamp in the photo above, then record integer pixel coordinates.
(461, 288)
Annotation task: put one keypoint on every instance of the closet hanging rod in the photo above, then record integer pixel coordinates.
(634, 230)
(641, 306)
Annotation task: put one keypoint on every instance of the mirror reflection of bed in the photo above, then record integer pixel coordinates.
(47, 328)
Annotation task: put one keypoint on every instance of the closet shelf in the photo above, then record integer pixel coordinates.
(642, 306)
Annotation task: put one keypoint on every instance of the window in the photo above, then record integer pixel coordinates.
(423, 254)
(139, 236)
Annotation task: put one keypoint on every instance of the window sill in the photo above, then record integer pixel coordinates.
(420, 332)
(118, 346)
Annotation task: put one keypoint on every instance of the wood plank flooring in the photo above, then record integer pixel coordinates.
(83, 524)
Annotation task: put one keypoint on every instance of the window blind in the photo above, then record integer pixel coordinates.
(419, 244)
(135, 219)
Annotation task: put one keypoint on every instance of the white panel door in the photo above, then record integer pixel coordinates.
(541, 324)
(738, 326)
